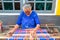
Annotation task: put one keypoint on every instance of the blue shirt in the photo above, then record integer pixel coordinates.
(28, 21)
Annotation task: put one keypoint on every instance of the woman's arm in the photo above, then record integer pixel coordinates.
(37, 27)
(9, 34)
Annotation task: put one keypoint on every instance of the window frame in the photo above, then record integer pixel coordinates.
(39, 13)
(44, 11)
(11, 11)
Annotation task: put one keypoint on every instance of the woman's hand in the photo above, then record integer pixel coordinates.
(33, 32)
(12, 30)
(10, 34)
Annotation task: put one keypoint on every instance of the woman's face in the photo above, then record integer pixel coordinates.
(27, 10)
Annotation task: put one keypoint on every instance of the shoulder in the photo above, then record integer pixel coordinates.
(34, 13)
(21, 12)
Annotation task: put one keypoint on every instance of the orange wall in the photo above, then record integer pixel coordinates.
(58, 8)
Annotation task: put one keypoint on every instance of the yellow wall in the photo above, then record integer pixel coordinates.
(58, 8)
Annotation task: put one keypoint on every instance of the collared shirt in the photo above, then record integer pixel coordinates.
(28, 21)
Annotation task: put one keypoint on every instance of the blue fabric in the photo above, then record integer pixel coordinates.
(28, 21)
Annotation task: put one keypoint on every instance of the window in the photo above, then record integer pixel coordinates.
(17, 5)
(43, 6)
(39, 6)
(10, 6)
(49, 0)
(49, 6)
(7, 0)
(39, 0)
(32, 4)
(14, 6)
(30, 0)
(0, 6)
(16, 0)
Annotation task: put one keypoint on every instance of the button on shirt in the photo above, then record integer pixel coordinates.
(28, 21)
